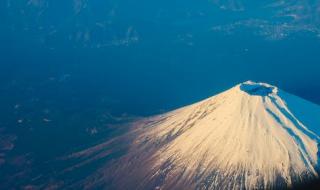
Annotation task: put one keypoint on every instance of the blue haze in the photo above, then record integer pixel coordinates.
(84, 64)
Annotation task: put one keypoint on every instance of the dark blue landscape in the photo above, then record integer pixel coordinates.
(73, 73)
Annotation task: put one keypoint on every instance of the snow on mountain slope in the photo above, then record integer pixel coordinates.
(244, 138)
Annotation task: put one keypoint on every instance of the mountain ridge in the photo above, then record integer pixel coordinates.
(243, 138)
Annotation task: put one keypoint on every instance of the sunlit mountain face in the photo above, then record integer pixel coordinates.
(76, 75)
(248, 137)
(252, 136)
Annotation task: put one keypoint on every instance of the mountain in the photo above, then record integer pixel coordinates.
(253, 136)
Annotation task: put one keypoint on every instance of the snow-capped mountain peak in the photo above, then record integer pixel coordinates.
(258, 89)
(248, 137)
